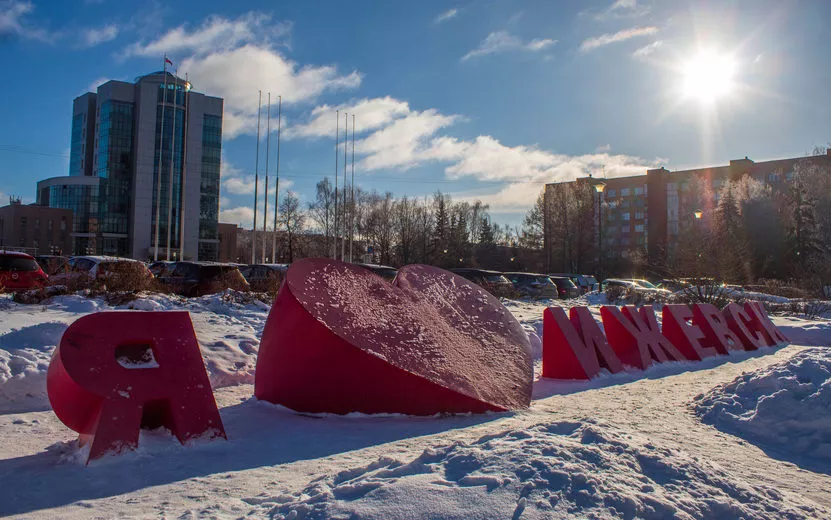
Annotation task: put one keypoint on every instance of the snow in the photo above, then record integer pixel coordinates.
(785, 408)
(738, 436)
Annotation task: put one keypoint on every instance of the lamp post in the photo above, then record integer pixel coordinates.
(599, 186)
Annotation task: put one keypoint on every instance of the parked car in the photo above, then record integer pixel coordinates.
(649, 286)
(673, 285)
(532, 285)
(492, 281)
(161, 268)
(201, 278)
(585, 282)
(384, 271)
(19, 271)
(51, 264)
(638, 285)
(565, 287)
(264, 277)
(112, 270)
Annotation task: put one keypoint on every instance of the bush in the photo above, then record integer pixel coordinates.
(707, 292)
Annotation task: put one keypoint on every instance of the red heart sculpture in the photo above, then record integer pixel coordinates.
(340, 339)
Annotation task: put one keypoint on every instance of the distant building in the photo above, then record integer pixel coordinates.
(228, 243)
(116, 163)
(643, 215)
(34, 229)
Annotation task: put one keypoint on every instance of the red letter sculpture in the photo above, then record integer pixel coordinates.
(760, 321)
(340, 339)
(116, 372)
(679, 329)
(635, 337)
(575, 348)
(740, 323)
(716, 332)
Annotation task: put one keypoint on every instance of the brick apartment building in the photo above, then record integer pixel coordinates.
(641, 216)
(36, 230)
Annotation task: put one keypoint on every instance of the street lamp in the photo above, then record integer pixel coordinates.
(698, 214)
(599, 186)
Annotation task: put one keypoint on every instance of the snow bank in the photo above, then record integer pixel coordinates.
(784, 408)
(552, 470)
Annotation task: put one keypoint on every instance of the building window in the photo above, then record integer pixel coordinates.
(638, 191)
(49, 225)
(626, 216)
(63, 223)
(639, 215)
(611, 193)
(625, 192)
(639, 228)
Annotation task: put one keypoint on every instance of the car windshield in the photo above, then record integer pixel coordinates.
(564, 283)
(644, 283)
(590, 280)
(496, 278)
(17, 263)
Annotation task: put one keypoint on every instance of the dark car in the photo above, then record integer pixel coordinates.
(493, 281)
(161, 268)
(201, 278)
(565, 287)
(51, 264)
(384, 271)
(264, 277)
(532, 285)
(19, 271)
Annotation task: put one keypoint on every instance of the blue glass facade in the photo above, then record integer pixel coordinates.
(82, 199)
(76, 145)
(209, 187)
(171, 147)
(115, 169)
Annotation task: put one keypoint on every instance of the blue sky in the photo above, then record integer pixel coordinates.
(481, 99)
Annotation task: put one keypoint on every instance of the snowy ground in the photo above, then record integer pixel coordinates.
(678, 441)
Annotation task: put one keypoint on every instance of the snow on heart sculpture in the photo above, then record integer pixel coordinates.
(340, 339)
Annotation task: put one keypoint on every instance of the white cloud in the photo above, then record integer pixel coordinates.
(234, 74)
(215, 34)
(622, 9)
(648, 50)
(539, 44)
(447, 15)
(233, 58)
(404, 143)
(501, 41)
(603, 148)
(12, 23)
(242, 216)
(370, 114)
(93, 37)
(620, 36)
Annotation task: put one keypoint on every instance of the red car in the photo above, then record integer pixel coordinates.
(19, 271)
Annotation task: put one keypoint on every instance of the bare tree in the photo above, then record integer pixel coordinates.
(292, 221)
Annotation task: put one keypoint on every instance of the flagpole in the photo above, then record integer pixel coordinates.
(352, 211)
(159, 173)
(172, 164)
(345, 148)
(184, 173)
(277, 182)
(335, 230)
(265, 192)
(256, 182)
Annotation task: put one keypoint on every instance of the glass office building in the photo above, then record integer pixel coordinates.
(153, 148)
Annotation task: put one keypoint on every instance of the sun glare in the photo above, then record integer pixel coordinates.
(708, 77)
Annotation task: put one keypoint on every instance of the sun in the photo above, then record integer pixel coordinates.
(708, 76)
